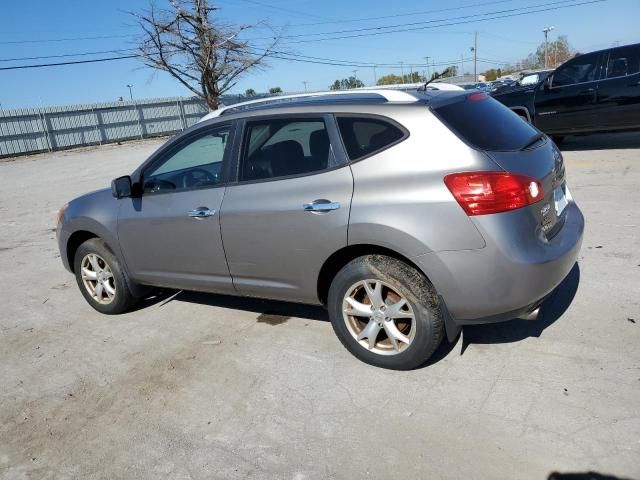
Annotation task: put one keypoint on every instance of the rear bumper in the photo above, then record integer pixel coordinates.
(511, 275)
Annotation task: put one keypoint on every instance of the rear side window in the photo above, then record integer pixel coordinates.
(623, 61)
(282, 147)
(485, 123)
(363, 136)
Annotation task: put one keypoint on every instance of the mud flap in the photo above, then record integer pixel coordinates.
(451, 327)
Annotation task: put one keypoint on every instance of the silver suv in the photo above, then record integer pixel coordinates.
(407, 215)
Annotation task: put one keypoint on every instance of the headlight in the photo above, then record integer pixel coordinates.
(60, 214)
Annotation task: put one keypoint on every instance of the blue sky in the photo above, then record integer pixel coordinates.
(588, 27)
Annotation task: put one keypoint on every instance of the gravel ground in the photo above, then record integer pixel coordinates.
(203, 386)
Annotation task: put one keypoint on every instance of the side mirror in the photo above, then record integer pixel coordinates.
(121, 187)
(547, 83)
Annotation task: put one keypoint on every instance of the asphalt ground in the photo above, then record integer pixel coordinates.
(204, 386)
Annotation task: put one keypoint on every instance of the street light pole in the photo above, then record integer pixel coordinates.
(130, 86)
(546, 31)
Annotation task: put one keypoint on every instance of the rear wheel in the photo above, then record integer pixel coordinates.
(385, 312)
(101, 279)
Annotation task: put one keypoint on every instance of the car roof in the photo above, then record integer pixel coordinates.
(353, 97)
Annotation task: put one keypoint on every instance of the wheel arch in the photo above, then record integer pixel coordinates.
(522, 111)
(76, 239)
(340, 258)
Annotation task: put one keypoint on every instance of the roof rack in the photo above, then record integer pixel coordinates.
(372, 94)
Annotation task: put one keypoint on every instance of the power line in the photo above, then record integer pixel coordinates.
(71, 39)
(422, 25)
(278, 55)
(76, 62)
(409, 14)
(82, 54)
(368, 34)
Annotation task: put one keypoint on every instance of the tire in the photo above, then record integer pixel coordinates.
(91, 256)
(398, 281)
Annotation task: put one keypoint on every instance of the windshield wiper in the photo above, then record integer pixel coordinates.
(538, 136)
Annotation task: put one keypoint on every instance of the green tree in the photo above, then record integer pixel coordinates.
(346, 84)
(390, 79)
(275, 90)
(249, 92)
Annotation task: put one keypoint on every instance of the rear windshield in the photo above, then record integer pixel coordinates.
(486, 123)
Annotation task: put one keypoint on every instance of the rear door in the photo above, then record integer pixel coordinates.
(288, 211)
(619, 90)
(569, 103)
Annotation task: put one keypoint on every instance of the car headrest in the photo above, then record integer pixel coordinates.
(619, 68)
(287, 158)
(319, 144)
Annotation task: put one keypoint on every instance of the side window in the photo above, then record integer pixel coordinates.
(623, 61)
(579, 70)
(195, 164)
(283, 147)
(362, 136)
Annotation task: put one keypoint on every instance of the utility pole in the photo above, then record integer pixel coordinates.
(462, 65)
(475, 56)
(427, 61)
(355, 76)
(402, 70)
(305, 85)
(375, 77)
(546, 31)
(130, 86)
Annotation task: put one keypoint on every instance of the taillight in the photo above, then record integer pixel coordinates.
(482, 193)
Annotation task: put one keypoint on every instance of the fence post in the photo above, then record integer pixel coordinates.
(138, 116)
(183, 120)
(97, 124)
(45, 130)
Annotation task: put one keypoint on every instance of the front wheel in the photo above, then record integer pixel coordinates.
(101, 279)
(385, 312)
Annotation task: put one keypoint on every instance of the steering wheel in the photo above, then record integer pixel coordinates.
(198, 177)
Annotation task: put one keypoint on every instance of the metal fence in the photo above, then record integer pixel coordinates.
(32, 130)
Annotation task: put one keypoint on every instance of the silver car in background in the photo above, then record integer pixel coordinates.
(407, 215)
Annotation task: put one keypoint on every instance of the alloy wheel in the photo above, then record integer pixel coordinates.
(97, 278)
(379, 317)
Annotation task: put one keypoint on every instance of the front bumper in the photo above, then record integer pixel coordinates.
(511, 275)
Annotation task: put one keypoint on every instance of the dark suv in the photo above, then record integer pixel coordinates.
(594, 92)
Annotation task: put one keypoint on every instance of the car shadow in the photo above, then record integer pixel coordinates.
(274, 312)
(269, 311)
(518, 329)
(600, 141)
(583, 476)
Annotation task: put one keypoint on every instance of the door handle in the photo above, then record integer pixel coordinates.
(201, 212)
(320, 206)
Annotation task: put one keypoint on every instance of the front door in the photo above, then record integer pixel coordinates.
(289, 210)
(619, 90)
(569, 102)
(171, 234)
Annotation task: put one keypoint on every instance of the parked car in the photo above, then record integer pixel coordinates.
(407, 215)
(594, 92)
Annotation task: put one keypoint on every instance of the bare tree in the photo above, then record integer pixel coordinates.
(203, 53)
